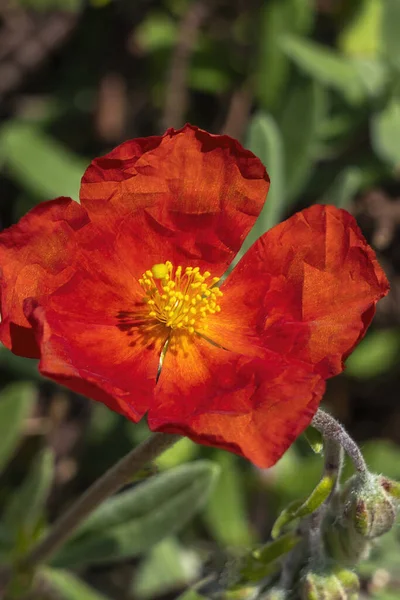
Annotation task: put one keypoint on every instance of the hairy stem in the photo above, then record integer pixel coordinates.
(332, 430)
(108, 484)
(310, 528)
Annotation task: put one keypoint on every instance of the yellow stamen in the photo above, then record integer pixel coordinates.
(182, 299)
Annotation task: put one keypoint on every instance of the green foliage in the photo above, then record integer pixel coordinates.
(265, 140)
(225, 512)
(302, 508)
(16, 401)
(326, 66)
(385, 132)
(376, 354)
(25, 511)
(345, 186)
(191, 595)
(40, 164)
(168, 567)
(68, 587)
(134, 521)
(302, 115)
(390, 32)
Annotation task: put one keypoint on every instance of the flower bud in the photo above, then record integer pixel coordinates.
(368, 505)
(342, 543)
(333, 584)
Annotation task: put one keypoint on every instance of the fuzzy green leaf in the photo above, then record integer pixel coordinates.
(134, 521)
(226, 513)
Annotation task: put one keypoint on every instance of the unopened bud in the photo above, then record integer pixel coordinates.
(369, 506)
(336, 584)
(343, 543)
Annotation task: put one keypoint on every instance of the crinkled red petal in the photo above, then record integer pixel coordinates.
(187, 196)
(93, 340)
(36, 256)
(307, 290)
(251, 406)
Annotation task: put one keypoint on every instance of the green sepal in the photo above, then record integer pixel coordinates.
(300, 509)
(261, 562)
(314, 438)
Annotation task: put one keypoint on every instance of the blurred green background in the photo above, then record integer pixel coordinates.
(313, 88)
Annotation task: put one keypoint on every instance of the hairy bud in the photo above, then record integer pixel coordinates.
(368, 505)
(333, 584)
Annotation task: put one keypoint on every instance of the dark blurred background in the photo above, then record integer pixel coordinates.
(313, 88)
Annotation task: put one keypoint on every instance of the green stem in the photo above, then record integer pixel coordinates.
(115, 478)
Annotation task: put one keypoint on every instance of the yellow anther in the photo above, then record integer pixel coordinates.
(179, 298)
(159, 271)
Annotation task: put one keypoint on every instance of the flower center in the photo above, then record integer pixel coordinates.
(180, 299)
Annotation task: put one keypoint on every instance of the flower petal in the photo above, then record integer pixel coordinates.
(187, 196)
(89, 340)
(36, 257)
(307, 289)
(253, 407)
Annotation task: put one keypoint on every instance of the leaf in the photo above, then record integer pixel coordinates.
(157, 32)
(298, 509)
(260, 563)
(303, 112)
(16, 402)
(265, 140)
(385, 133)
(209, 79)
(69, 587)
(225, 512)
(378, 353)
(345, 187)
(39, 163)
(390, 32)
(374, 74)
(19, 367)
(132, 522)
(277, 18)
(362, 36)
(168, 567)
(273, 65)
(26, 508)
(325, 65)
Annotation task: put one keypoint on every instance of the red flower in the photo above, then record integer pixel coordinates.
(118, 296)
